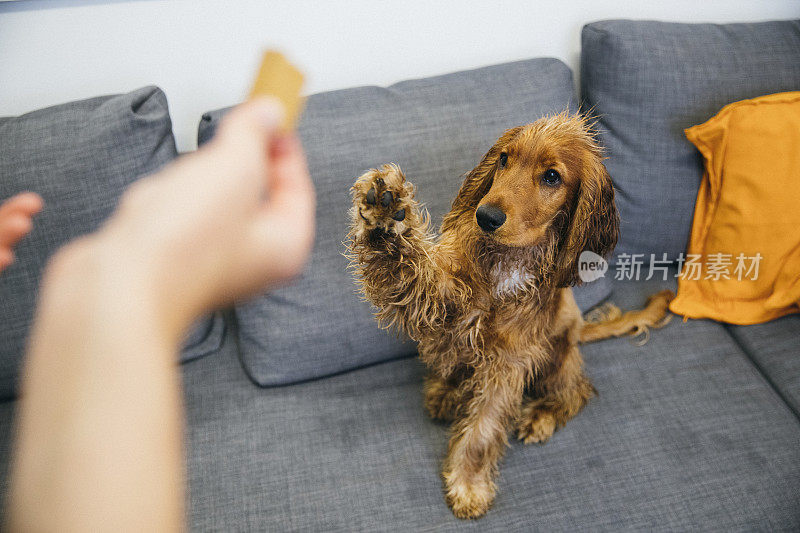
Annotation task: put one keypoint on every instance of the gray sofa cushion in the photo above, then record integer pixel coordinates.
(436, 129)
(774, 348)
(684, 435)
(79, 157)
(648, 81)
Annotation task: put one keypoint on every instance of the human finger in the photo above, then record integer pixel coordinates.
(14, 227)
(28, 203)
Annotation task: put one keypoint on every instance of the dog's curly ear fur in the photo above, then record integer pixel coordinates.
(594, 222)
(479, 179)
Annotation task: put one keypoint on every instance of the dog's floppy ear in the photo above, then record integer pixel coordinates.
(594, 222)
(479, 179)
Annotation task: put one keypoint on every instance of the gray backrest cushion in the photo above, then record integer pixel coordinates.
(648, 81)
(79, 157)
(436, 129)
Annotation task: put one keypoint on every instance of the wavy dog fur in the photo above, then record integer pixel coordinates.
(493, 312)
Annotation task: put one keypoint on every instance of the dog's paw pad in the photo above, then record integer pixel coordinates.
(382, 198)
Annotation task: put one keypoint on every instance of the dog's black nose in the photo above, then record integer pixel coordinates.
(490, 217)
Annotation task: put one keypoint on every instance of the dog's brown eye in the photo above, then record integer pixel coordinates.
(551, 177)
(503, 159)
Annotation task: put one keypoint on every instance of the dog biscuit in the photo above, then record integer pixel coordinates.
(280, 79)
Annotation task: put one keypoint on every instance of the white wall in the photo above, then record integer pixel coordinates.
(203, 53)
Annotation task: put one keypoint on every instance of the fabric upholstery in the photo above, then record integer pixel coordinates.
(79, 157)
(774, 348)
(436, 129)
(685, 435)
(647, 82)
(7, 412)
(744, 232)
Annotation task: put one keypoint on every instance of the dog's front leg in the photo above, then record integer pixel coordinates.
(479, 438)
(394, 256)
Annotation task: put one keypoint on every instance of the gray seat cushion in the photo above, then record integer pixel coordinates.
(774, 348)
(436, 129)
(685, 435)
(79, 157)
(647, 82)
(7, 412)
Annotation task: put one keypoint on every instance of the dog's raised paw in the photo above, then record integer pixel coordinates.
(381, 199)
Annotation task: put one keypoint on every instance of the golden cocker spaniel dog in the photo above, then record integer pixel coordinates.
(489, 299)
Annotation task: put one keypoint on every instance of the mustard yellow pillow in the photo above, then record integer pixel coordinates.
(743, 261)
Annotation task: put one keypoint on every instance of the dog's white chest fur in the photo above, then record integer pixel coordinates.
(509, 279)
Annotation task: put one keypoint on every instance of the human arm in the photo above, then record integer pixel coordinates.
(99, 434)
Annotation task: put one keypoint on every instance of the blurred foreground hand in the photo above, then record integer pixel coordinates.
(99, 426)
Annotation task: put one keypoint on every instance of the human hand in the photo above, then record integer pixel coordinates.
(233, 218)
(16, 216)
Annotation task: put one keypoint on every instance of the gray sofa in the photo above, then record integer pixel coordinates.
(304, 416)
